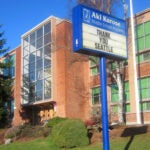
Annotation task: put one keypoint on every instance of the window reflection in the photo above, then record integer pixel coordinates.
(37, 65)
(47, 88)
(39, 32)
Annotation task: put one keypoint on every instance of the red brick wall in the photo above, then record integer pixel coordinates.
(72, 76)
(17, 90)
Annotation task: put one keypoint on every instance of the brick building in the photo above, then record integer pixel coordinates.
(51, 80)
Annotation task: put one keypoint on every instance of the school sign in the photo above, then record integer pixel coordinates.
(97, 33)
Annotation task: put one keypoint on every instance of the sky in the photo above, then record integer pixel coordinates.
(19, 16)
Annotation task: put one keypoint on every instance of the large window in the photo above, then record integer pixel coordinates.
(145, 106)
(94, 65)
(115, 97)
(114, 93)
(144, 87)
(143, 36)
(143, 57)
(144, 91)
(143, 42)
(96, 96)
(37, 64)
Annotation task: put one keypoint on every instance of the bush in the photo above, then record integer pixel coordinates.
(13, 132)
(34, 131)
(70, 133)
(52, 122)
(22, 131)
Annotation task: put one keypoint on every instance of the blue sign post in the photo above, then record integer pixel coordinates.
(99, 34)
(104, 108)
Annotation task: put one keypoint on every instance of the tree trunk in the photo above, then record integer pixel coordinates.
(120, 94)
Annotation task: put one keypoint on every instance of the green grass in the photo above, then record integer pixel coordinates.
(38, 144)
(138, 142)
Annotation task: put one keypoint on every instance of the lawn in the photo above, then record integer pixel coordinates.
(136, 142)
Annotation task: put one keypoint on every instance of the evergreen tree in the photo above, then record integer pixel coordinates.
(5, 81)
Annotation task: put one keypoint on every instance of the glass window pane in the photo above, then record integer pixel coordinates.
(139, 30)
(47, 28)
(143, 83)
(140, 44)
(144, 93)
(32, 38)
(147, 27)
(39, 32)
(26, 69)
(114, 98)
(39, 85)
(39, 74)
(25, 60)
(25, 51)
(128, 108)
(31, 67)
(32, 76)
(47, 88)
(141, 58)
(113, 66)
(39, 95)
(94, 60)
(31, 92)
(47, 50)
(25, 42)
(39, 43)
(114, 88)
(47, 62)
(147, 41)
(146, 56)
(145, 106)
(148, 105)
(39, 54)
(114, 109)
(32, 47)
(39, 64)
(12, 59)
(32, 57)
(95, 99)
(126, 86)
(94, 71)
(12, 71)
(95, 90)
(47, 39)
(47, 72)
(95, 95)
(126, 96)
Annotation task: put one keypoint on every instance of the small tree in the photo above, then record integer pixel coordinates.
(107, 6)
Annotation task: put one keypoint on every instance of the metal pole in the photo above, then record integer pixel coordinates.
(103, 79)
(134, 65)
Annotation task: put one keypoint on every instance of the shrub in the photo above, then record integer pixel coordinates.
(70, 133)
(26, 131)
(34, 131)
(13, 132)
(52, 122)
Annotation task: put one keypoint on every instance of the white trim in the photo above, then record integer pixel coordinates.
(40, 24)
(134, 66)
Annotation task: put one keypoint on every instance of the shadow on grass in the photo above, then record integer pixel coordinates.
(131, 132)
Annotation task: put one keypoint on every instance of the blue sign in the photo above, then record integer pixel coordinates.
(97, 33)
